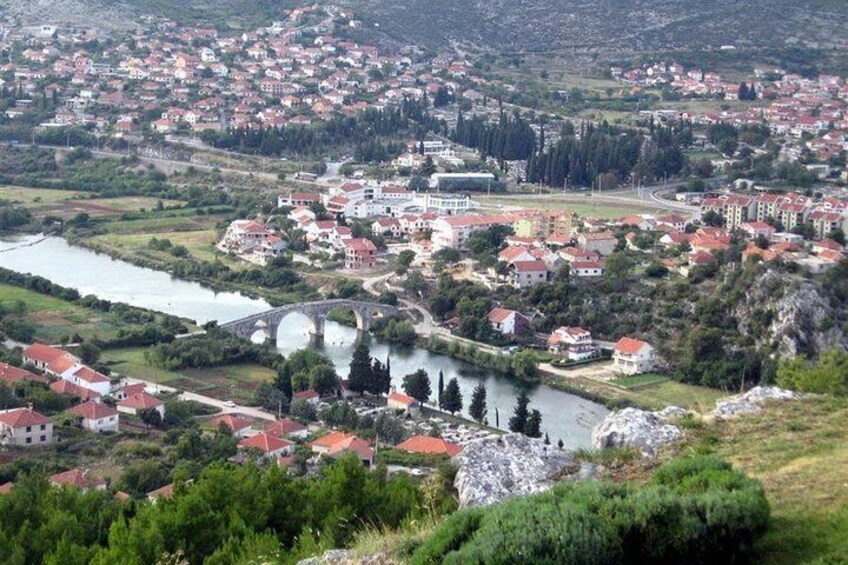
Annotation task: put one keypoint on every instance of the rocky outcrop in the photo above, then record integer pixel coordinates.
(345, 557)
(751, 401)
(638, 429)
(494, 469)
(789, 314)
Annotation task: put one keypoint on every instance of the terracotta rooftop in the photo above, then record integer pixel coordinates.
(19, 417)
(431, 445)
(93, 410)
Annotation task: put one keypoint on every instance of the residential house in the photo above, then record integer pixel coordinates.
(603, 242)
(429, 446)
(322, 445)
(361, 448)
(96, 417)
(529, 273)
(141, 401)
(86, 377)
(400, 401)
(757, 229)
(236, 424)
(287, 428)
(78, 478)
(40, 355)
(633, 356)
(67, 388)
(573, 343)
(386, 227)
(360, 253)
(268, 445)
(309, 396)
(161, 493)
(10, 375)
(24, 427)
(586, 269)
(508, 322)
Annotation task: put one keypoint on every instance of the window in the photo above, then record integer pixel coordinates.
(29, 440)
(29, 429)
(43, 427)
(43, 439)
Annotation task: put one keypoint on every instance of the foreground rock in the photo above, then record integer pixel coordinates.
(494, 469)
(638, 429)
(751, 401)
(345, 557)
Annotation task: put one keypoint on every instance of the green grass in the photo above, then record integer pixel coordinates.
(157, 225)
(235, 382)
(55, 318)
(639, 380)
(799, 450)
(199, 243)
(36, 197)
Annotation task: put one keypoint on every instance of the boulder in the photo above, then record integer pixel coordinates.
(496, 468)
(751, 401)
(636, 429)
(346, 557)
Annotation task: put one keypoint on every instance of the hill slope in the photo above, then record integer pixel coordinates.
(529, 25)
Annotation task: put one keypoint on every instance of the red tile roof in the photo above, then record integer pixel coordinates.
(140, 400)
(20, 417)
(305, 395)
(93, 410)
(76, 478)
(265, 443)
(12, 374)
(62, 364)
(402, 398)
(70, 389)
(498, 315)
(427, 444)
(330, 439)
(352, 444)
(89, 375)
(629, 345)
(530, 266)
(360, 244)
(43, 353)
(166, 491)
(284, 427)
(235, 422)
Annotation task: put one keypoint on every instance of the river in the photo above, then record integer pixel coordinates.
(564, 416)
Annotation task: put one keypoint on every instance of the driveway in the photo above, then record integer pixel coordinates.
(596, 371)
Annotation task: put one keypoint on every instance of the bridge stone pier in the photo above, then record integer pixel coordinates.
(317, 312)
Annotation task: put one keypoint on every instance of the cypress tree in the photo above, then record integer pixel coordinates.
(533, 425)
(360, 370)
(477, 409)
(518, 422)
(452, 399)
(441, 389)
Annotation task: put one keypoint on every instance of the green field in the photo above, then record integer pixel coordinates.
(36, 197)
(639, 380)
(55, 318)
(236, 382)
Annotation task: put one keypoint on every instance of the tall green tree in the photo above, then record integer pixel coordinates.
(441, 389)
(533, 426)
(361, 373)
(452, 399)
(477, 409)
(518, 421)
(417, 385)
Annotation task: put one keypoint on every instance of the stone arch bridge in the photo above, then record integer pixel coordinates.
(317, 312)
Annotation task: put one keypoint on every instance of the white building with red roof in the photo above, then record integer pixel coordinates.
(67, 388)
(96, 417)
(236, 424)
(10, 375)
(572, 342)
(633, 356)
(508, 322)
(40, 356)
(141, 401)
(287, 428)
(268, 445)
(400, 401)
(86, 377)
(529, 273)
(24, 427)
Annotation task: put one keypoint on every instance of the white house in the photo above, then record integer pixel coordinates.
(400, 401)
(96, 417)
(633, 356)
(88, 378)
(268, 445)
(529, 273)
(24, 427)
(508, 322)
(141, 401)
(574, 343)
(586, 269)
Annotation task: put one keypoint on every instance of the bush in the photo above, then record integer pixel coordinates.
(695, 510)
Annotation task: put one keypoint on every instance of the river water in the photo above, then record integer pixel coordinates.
(564, 416)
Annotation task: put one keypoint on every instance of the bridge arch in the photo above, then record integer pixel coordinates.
(317, 312)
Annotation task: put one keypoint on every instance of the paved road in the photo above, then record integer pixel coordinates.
(426, 326)
(246, 410)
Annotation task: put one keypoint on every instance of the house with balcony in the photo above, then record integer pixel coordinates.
(575, 344)
(633, 356)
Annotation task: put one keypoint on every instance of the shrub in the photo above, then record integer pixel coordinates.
(695, 510)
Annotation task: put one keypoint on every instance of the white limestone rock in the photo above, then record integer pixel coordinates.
(494, 469)
(637, 429)
(751, 401)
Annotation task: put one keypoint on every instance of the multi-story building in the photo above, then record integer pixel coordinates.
(24, 427)
(529, 273)
(633, 356)
(574, 343)
(541, 225)
(360, 253)
(824, 223)
(453, 231)
(736, 209)
(96, 417)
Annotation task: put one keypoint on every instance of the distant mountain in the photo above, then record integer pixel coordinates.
(632, 25)
(510, 25)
